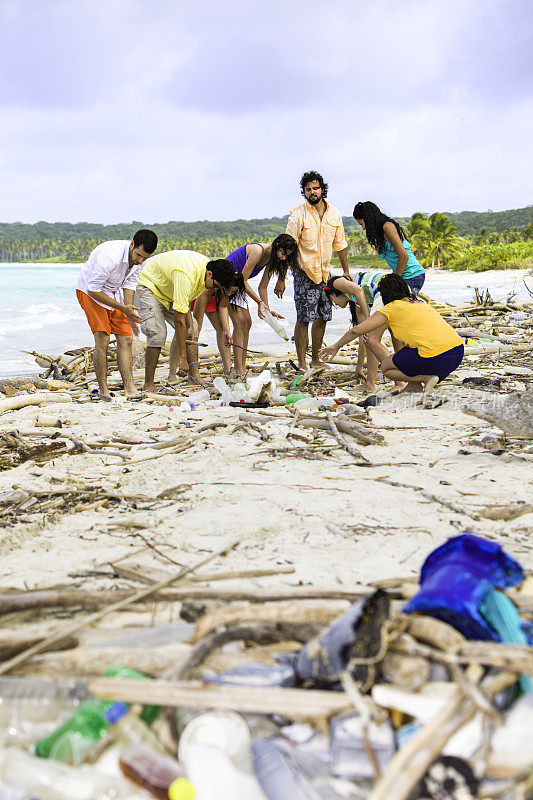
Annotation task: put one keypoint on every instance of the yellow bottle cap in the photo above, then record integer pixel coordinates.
(181, 789)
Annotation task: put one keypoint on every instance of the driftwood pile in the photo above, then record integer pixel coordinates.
(393, 666)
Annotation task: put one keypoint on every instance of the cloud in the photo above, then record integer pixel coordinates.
(117, 110)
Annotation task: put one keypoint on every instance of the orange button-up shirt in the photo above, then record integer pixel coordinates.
(317, 238)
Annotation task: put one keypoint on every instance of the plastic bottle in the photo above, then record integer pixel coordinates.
(51, 780)
(222, 387)
(314, 403)
(279, 778)
(199, 397)
(162, 776)
(240, 393)
(127, 728)
(275, 325)
(38, 699)
(215, 752)
(149, 713)
(76, 737)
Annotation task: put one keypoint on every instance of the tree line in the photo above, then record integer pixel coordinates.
(440, 240)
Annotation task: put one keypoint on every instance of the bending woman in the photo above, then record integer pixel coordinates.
(387, 237)
(432, 348)
(250, 260)
(361, 295)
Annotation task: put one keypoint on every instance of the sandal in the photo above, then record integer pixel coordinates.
(95, 395)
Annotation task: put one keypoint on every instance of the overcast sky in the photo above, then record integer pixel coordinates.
(120, 110)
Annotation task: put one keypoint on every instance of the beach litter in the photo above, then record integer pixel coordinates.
(382, 690)
(316, 708)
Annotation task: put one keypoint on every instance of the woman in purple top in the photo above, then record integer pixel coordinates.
(250, 260)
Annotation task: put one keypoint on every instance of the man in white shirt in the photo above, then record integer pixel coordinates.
(105, 291)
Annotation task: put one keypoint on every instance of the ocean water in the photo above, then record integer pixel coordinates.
(39, 310)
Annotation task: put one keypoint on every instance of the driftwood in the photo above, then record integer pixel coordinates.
(91, 661)
(512, 413)
(517, 658)
(37, 399)
(13, 642)
(286, 612)
(55, 598)
(258, 633)
(410, 763)
(300, 703)
(68, 630)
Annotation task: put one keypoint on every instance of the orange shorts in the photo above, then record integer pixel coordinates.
(108, 320)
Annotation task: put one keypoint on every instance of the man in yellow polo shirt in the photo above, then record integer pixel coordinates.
(167, 285)
(317, 228)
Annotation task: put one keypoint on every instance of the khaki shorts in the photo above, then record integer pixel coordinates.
(155, 317)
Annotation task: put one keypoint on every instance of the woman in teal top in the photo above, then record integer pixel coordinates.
(387, 236)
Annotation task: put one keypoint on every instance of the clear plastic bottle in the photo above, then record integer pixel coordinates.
(199, 397)
(275, 325)
(222, 387)
(128, 729)
(162, 776)
(315, 403)
(51, 780)
(38, 699)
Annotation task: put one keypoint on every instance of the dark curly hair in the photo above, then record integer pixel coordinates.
(278, 267)
(374, 220)
(309, 177)
(394, 287)
(329, 288)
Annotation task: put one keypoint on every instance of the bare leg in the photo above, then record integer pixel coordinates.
(192, 353)
(225, 352)
(317, 336)
(101, 342)
(413, 383)
(124, 363)
(381, 354)
(173, 361)
(301, 340)
(150, 363)
(242, 323)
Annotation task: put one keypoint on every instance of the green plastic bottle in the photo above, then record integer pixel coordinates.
(76, 737)
(149, 713)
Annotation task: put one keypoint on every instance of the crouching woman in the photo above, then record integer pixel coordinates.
(431, 350)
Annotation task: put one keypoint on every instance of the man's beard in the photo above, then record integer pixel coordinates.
(315, 200)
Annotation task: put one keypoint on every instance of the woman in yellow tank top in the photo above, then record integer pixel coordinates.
(432, 348)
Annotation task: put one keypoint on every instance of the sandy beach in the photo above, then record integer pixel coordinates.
(307, 506)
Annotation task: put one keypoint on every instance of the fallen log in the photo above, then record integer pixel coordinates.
(300, 703)
(37, 399)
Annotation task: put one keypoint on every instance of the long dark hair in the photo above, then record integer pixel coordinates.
(394, 287)
(374, 220)
(225, 273)
(278, 267)
(329, 288)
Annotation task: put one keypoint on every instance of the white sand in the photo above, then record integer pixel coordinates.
(333, 521)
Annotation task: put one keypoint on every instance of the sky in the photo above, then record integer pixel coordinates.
(121, 110)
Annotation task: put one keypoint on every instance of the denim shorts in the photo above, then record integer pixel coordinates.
(415, 283)
(309, 298)
(408, 361)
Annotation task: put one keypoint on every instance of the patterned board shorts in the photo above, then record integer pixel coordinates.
(310, 301)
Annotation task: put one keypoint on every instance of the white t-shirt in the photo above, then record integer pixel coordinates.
(107, 270)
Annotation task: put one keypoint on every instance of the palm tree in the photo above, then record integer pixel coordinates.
(435, 239)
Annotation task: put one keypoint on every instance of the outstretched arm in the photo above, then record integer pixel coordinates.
(263, 294)
(200, 306)
(349, 287)
(371, 324)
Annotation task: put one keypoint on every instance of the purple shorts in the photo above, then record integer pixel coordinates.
(408, 361)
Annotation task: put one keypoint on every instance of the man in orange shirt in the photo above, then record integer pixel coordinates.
(317, 228)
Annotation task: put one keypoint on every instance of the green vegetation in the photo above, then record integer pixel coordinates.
(503, 256)
(466, 240)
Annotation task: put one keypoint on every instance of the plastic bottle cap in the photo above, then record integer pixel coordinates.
(115, 712)
(181, 789)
